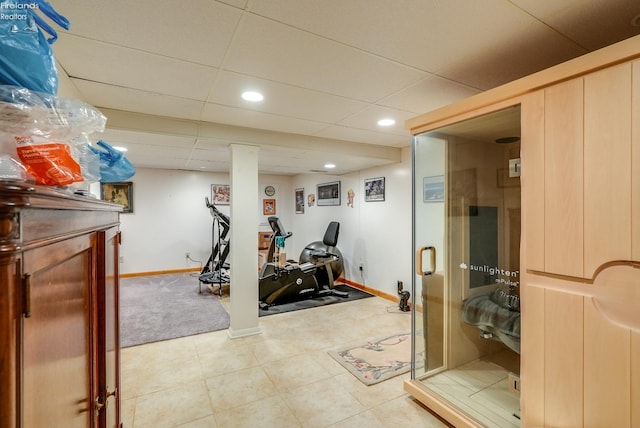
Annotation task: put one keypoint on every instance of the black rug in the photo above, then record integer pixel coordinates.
(161, 307)
(354, 294)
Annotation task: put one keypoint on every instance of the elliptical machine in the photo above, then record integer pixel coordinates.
(281, 281)
(216, 270)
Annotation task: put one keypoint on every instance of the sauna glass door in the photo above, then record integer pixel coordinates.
(466, 322)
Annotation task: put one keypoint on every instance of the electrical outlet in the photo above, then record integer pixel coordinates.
(121, 259)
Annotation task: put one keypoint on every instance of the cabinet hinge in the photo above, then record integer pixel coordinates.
(26, 295)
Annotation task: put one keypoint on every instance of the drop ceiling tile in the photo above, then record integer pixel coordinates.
(211, 154)
(273, 51)
(254, 119)
(94, 61)
(429, 94)
(144, 155)
(125, 137)
(240, 4)
(199, 32)
(591, 24)
(364, 136)
(281, 99)
(118, 98)
(208, 166)
(368, 119)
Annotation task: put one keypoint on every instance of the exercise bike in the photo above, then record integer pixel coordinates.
(282, 281)
(216, 270)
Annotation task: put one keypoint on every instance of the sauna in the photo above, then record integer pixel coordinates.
(467, 237)
(526, 220)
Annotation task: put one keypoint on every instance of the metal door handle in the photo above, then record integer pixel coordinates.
(432, 266)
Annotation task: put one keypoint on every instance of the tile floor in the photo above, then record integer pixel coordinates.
(281, 378)
(480, 388)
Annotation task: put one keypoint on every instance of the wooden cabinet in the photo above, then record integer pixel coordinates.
(58, 309)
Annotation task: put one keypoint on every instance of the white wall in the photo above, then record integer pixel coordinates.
(170, 218)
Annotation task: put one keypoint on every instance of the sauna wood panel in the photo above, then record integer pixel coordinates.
(635, 379)
(607, 371)
(563, 369)
(563, 177)
(607, 167)
(532, 179)
(635, 162)
(532, 355)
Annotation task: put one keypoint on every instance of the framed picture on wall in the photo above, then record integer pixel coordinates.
(299, 201)
(269, 206)
(220, 194)
(433, 188)
(118, 193)
(374, 189)
(328, 194)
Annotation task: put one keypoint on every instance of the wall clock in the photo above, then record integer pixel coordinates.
(269, 190)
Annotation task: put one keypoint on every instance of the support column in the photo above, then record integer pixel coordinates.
(244, 241)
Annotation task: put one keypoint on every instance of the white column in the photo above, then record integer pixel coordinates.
(244, 241)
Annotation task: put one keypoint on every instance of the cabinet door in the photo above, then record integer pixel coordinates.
(57, 334)
(10, 314)
(107, 322)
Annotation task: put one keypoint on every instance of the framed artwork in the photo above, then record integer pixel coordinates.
(374, 189)
(269, 206)
(118, 193)
(311, 199)
(220, 194)
(328, 194)
(299, 201)
(433, 188)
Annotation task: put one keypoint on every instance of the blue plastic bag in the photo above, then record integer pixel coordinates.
(26, 59)
(114, 166)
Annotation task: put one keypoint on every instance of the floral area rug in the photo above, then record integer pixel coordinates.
(377, 360)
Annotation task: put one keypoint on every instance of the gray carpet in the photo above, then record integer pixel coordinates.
(161, 307)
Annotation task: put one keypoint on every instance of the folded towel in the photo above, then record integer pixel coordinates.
(483, 312)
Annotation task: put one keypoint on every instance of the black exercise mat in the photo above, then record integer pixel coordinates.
(313, 302)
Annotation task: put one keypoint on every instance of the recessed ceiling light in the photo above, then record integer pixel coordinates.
(386, 122)
(252, 96)
(120, 148)
(329, 165)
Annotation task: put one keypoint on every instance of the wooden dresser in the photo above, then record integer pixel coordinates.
(59, 335)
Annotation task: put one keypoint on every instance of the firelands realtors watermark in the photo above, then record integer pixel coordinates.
(16, 11)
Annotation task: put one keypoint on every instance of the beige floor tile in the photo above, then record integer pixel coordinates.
(277, 349)
(172, 407)
(158, 375)
(127, 411)
(322, 403)
(373, 395)
(239, 388)
(225, 361)
(366, 419)
(206, 422)
(290, 373)
(406, 412)
(271, 412)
